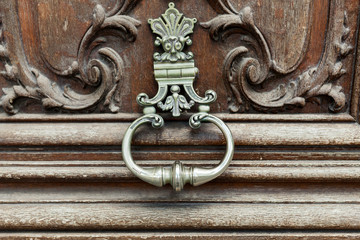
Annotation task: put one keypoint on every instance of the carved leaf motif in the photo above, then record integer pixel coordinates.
(101, 67)
(175, 103)
(245, 69)
(98, 16)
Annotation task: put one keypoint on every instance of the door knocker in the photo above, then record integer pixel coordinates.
(175, 69)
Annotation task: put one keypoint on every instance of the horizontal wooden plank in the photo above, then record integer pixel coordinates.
(178, 133)
(342, 117)
(185, 216)
(87, 153)
(214, 192)
(182, 235)
(247, 172)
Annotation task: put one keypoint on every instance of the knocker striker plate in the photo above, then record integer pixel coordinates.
(175, 69)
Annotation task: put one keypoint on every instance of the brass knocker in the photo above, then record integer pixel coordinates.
(174, 69)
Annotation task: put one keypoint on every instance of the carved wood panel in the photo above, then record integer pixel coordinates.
(288, 83)
(287, 61)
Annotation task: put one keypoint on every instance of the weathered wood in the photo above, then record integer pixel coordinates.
(198, 153)
(278, 71)
(354, 110)
(126, 117)
(179, 133)
(287, 40)
(214, 192)
(182, 236)
(256, 172)
(186, 216)
(232, 235)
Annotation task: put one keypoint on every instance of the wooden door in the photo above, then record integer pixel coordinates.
(287, 80)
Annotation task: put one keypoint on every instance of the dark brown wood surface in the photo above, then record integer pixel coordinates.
(293, 111)
(51, 35)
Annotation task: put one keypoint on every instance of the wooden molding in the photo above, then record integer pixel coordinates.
(231, 235)
(128, 117)
(170, 216)
(295, 173)
(245, 134)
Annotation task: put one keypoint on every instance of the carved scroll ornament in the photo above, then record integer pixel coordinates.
(96, 66)
(246, 68)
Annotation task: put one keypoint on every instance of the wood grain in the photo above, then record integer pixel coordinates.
(178, 133)
(82, 172)
(126, 117)
(170, 216)
(295, 173)
(22, 155)
(232, 235)
(35, 24)
(214, 192)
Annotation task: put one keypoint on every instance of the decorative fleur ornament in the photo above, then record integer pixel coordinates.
(174, 69)
(173, 30)
(175, 102)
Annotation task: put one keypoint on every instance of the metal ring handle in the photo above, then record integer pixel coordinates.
(173, 69)
(178, 174)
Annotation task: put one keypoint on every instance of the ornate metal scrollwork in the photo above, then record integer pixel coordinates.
(173, 69)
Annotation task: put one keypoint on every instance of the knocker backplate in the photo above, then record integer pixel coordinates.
(175, 70)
